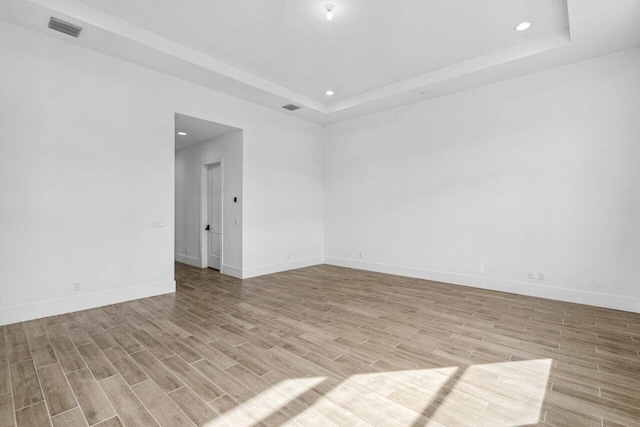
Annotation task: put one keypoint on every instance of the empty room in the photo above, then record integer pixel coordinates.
(336, 213)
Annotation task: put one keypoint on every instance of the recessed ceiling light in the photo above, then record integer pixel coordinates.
(523, 26)
(329, 8)
(329, 93)
(182, 133)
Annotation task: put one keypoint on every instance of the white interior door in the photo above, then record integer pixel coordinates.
(214, 216)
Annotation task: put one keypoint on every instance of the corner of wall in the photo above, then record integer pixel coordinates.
(277, 268)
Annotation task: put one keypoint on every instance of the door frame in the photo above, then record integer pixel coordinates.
(204, 209)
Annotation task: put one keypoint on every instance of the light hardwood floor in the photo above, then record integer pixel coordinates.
(323, 346)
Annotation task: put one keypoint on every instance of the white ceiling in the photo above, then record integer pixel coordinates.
(373, 54)
(368, 44)
(197, 130)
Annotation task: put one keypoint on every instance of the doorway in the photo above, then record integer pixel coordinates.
(208, 195)
(214, 216)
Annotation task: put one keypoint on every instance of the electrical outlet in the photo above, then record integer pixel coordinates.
(360, 255)
(540, 276)
(531, 275)
(157, 224)
(288, 256)
(76, 286)
(187, 251)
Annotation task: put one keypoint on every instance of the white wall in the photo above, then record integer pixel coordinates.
(87, 163)
(284, 206)
(189, 164)
(539, 173)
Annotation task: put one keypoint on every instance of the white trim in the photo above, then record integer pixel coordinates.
(186, 259)
(284, 266)
(52, 307)
(217, 68)
(231, 271)
(617, 302)
(175, 50)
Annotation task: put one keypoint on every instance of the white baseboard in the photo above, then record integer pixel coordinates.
(254, 271)
(284, 266)
(186, 259)
(617, 302)
(231, 271)
(53, 307)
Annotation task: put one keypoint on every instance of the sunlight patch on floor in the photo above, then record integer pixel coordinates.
(497, 394)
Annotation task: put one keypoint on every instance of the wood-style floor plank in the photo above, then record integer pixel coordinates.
(42, 351)
(17, 346)
(180, 348)
(72, 418)
(33, 328)
(129, 408)
(92, 400)
(192, 405)
(191, 377)
(57, 392)
(154, 346)
(162, 408)
(67, 353)
(25, 384)
(125, 365)
(157, 371)
(124, 340)
(34, 415)
(7, 417)
(95, 359)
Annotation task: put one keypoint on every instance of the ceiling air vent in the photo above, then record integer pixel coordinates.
(291, 107)
(64, 27)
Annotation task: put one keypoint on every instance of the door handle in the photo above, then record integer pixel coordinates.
(208, 228)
